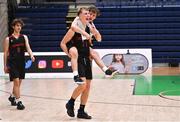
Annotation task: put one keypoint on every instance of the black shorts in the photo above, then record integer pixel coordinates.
(16, 70)
(85, 68)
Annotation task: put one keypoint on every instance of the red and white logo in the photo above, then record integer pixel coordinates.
(57, 64)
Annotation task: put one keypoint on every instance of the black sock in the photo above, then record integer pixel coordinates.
(81, 107)
(71, 101)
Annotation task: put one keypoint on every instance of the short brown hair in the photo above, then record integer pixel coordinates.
(95, 10)
(80, 10)
(15, 21)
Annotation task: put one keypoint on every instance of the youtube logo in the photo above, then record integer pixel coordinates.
(57, 64)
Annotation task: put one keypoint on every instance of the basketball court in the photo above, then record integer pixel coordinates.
(142, 34)
(123, 98)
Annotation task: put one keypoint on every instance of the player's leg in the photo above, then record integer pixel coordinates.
(21, 73)
(78, 90)
(16, 88)
(84, 97)
(85, 94)
(15, 96)
(12, 97)
(70, 104)
(74, 57)
(20, 106)
(99, 62)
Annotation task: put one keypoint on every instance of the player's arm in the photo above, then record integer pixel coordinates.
(65, 40)
(75, 28)
(28, 48)
(6, 51)
(95, 32)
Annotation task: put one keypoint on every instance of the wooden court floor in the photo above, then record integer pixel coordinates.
(109, 100)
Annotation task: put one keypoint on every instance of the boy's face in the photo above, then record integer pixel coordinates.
(17, 28)
(84, 15)
(92, 16)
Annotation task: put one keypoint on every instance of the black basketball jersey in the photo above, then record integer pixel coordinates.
(81, 45)
(16, 47)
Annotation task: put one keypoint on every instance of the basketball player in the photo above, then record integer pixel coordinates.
(14, 60)
(73, 54)
(84, 65)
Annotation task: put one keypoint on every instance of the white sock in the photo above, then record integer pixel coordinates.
(12, 95)
(104, 68)
(75, 73)
(17, 100)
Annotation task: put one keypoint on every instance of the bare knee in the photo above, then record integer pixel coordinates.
(83, 86)
(88, 84)
(16, 83)
(73, 52)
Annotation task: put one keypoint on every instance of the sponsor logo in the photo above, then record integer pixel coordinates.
(57, 64)
(42, 64)
(28, 64)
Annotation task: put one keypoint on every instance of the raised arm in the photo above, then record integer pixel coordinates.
(95, 32)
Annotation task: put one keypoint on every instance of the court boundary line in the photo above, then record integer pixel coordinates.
(161, 94)
(95, 102)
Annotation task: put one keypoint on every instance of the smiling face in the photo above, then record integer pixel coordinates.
(92, 16)
(84, 15)
(94, 12)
